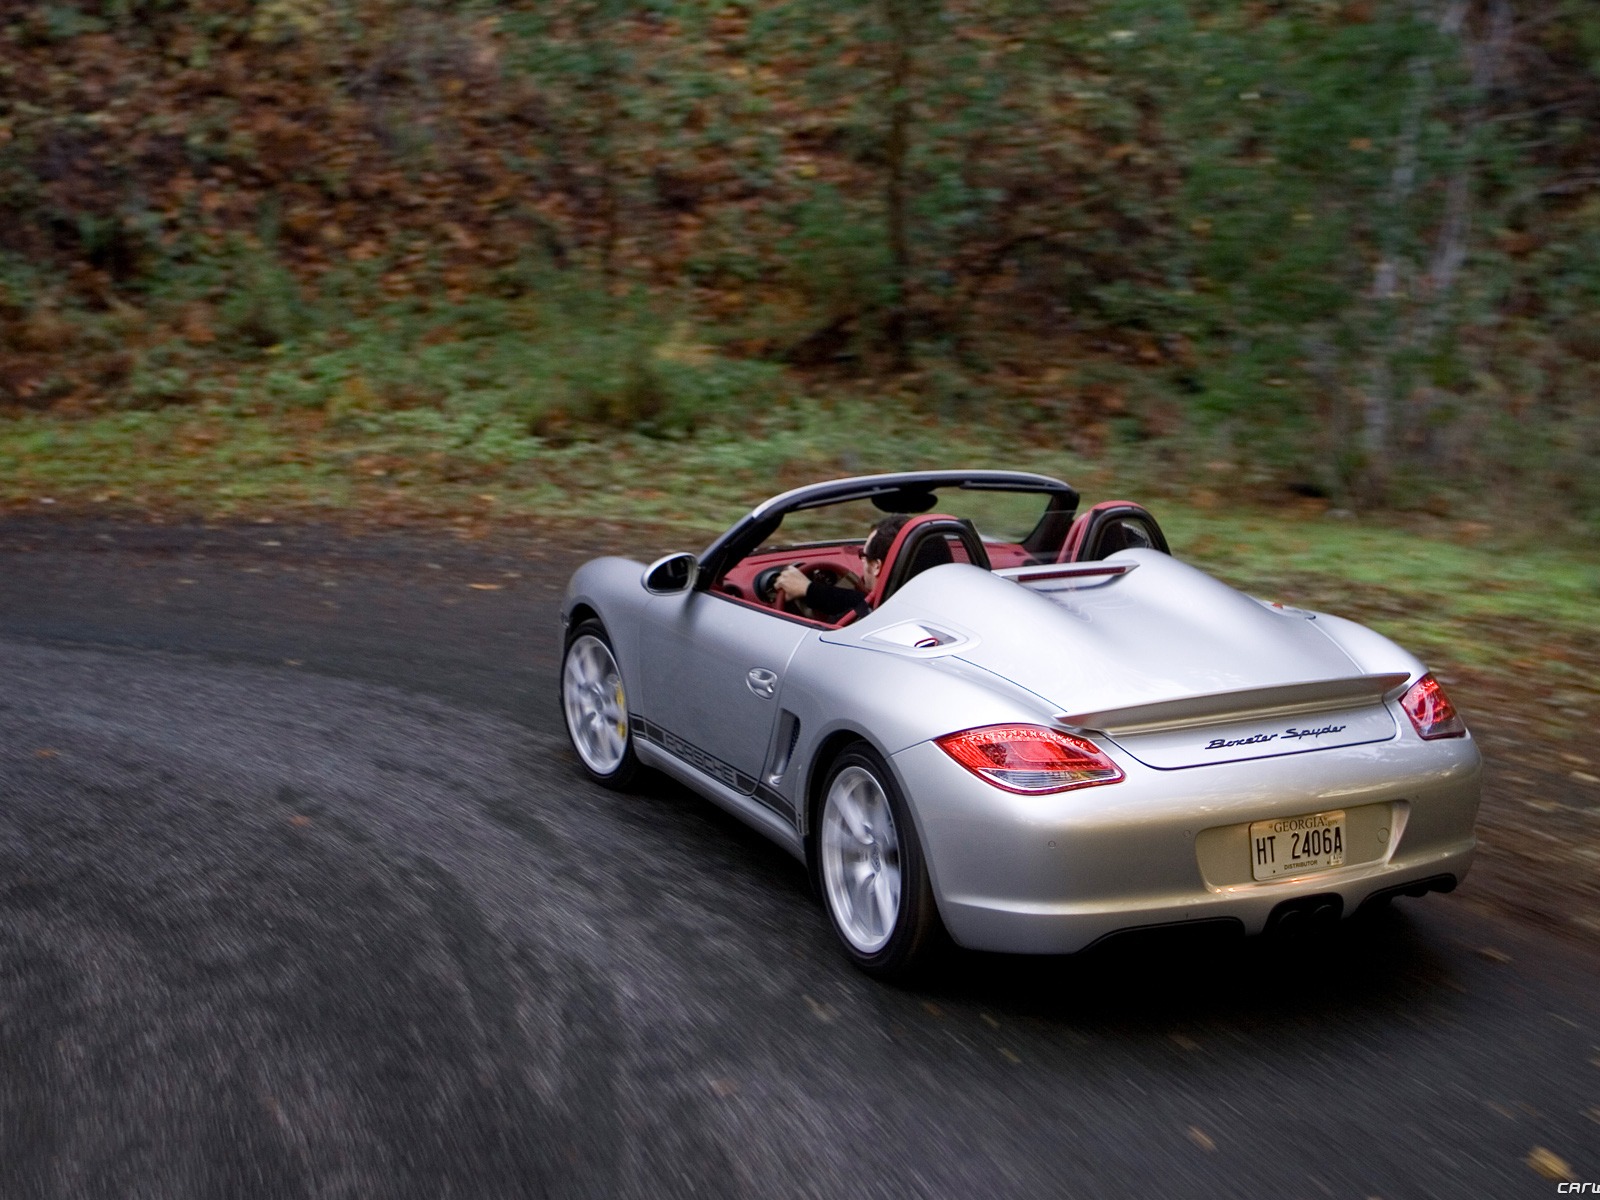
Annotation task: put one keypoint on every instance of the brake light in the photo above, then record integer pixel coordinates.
(1030, 759)
(1430, 710)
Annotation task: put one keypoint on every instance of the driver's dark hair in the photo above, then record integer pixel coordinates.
(883, 535)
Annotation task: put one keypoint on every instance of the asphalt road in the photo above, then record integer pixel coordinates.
(301, 894)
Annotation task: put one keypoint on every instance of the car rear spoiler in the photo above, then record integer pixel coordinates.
(1324, 695)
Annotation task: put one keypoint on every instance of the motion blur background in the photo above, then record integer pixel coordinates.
(1346, 251)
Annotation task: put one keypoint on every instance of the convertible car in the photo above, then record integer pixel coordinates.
(1034, 729)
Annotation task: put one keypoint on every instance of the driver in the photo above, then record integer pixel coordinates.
(830, 601)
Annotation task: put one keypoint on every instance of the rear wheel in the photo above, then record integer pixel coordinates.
(873, 878)
(596, 706)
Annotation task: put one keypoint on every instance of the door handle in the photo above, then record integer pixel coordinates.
(762, 682)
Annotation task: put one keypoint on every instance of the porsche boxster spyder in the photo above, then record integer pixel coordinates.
(1033, 730)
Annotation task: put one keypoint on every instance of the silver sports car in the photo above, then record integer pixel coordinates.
(1024, 727)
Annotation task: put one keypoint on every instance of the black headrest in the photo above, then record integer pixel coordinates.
(933, 552)
(927, 545)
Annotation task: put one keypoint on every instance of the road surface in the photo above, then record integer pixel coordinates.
(302, 894)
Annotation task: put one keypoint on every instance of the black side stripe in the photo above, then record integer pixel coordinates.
(710, 764)
(775, 801)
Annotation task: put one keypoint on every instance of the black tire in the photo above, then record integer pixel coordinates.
(886, 949)
(593, 704)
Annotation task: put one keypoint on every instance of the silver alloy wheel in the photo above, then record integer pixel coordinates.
(861, 859)
(596, 708)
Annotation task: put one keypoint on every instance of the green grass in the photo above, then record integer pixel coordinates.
(1454, 595)
(1458, 594)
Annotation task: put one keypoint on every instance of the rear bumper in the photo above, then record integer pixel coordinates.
(1054, 874)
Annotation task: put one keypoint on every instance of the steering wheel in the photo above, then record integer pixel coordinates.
(765, 585)
(837, 578)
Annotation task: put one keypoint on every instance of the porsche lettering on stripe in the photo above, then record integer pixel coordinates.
(710, 764)
(700, 760)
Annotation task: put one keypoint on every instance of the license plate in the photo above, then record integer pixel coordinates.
(1295, 845)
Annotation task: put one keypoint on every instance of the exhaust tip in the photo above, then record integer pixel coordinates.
(1294, 917)
(1419, 887)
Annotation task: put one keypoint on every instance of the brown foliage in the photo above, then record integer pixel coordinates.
(120, 147)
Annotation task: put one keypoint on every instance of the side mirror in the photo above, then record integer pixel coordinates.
(670, 575)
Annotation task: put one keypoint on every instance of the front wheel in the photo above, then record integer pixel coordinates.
(596, 707)
(873, 879)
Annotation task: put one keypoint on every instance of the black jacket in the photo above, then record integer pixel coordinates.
(827, 600)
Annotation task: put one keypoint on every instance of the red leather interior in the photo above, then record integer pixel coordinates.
(840, 557)
(741, 576)
(1007, 554)
(1074, 543)
(876, 594)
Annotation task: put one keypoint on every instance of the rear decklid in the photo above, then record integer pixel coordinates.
(1252, 723)
(1176, 667)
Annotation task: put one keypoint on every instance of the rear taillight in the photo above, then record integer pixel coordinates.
(1430, 710)
(1030, 759)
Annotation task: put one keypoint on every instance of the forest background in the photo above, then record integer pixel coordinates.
(1341, 250)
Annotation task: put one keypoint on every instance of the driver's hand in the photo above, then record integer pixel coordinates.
(792, 583)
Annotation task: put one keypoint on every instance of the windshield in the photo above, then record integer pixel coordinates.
(1000, 517)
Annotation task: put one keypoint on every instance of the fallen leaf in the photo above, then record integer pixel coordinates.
(1185, 1043)
(818, 1010)
(932, 1009)
(723, 1088)
(1550, 1165)
(299, 820)
(486, 587)
(1200, 1138)
(46, 753)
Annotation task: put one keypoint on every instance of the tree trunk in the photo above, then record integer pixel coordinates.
(1378, 399)
(1405, 327)
(897, 332)
(595, 24)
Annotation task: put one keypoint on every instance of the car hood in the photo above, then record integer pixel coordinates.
(1162, 644)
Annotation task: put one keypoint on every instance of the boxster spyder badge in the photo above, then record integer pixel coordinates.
(1290, 734)
(1027, 729)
